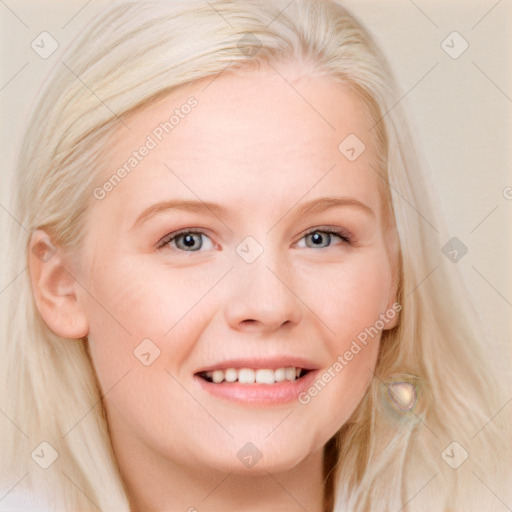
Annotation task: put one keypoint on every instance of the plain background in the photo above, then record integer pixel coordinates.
(461, 110)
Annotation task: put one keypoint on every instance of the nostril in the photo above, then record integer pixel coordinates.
(253, 322)
(250, 321)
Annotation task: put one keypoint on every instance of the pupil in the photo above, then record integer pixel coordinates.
(317, 238)
(189, 240)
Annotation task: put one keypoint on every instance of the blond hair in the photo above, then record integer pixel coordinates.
(383, 458)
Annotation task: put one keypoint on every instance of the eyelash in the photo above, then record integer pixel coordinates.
(167, 239)
(345, 237)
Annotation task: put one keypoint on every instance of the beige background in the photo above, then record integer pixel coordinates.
(461, 109)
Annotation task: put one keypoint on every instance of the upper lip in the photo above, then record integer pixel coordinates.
(261, 363)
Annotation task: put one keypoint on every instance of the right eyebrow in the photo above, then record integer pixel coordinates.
(184, 205)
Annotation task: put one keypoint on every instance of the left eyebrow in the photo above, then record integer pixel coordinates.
(325, 203)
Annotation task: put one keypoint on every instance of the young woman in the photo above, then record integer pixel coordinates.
(230, 304)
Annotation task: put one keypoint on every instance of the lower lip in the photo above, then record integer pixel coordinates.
(254, 394)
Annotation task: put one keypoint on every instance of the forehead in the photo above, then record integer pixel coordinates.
(256, 139)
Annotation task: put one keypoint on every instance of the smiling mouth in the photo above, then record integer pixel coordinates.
(254, 376)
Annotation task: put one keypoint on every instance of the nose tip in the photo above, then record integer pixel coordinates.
(261, 301)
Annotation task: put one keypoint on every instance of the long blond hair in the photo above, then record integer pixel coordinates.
(384, 458)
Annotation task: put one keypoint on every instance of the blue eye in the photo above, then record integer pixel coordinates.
(320, 239)
(189, 241)
(194, 241)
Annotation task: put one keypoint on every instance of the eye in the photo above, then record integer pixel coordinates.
(319, 239)
(189, 241)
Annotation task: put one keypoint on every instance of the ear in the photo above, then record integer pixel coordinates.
(55, 289)
(392, 313)
(393, 306)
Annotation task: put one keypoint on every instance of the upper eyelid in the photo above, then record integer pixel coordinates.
(334, 230)
(174, 234)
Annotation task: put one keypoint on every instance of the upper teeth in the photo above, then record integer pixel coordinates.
(250, 376)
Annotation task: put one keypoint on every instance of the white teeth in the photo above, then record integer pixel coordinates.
(280, 374)
(218, 376)
(265, 376)
(290, 373)
(246, 376)
(230, 375)
(258, 376)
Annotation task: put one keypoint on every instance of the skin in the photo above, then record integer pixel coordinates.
(254, 146)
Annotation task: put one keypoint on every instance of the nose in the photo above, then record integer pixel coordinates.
(261, 299)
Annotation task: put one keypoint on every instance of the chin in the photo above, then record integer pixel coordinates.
(259, 456)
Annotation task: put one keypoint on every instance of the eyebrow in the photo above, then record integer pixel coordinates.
(183, 205)
(325, 203)
(310, 207)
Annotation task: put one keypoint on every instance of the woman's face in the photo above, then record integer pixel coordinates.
(245, 242)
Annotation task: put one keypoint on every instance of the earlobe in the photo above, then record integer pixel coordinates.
(392, 314)
(393, 307)
(55, 289)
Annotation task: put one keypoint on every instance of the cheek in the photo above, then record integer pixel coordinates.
(350, 304)
(133, 304)
(349, 297)
(129, 302)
